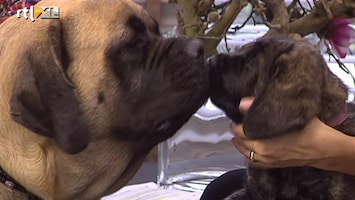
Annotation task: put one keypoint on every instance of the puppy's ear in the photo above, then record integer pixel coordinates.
(43, 97)
(290, 93)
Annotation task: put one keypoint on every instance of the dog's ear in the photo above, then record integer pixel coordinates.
(43, 97)
(290, 93)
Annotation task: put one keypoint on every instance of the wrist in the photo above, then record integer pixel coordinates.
(337, 151)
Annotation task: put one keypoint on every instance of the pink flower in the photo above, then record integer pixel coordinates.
(340, 35)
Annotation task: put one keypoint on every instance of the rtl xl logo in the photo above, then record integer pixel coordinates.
(33, 13)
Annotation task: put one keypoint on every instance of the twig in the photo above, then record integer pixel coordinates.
(303, 9)
(258, 8)
(339, 62)
(292, 4)
(244, 23)
(309, 4)
(226, 43)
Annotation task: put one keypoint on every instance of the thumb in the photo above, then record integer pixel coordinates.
(245, 104)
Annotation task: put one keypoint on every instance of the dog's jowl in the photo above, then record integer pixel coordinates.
(85, 97)
(291, 84)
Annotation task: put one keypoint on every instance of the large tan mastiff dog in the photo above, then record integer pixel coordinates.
(85, 97)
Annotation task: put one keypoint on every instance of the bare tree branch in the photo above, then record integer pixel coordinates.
(318, 18)
(210, 22)
(244, 23)
(192, 21)
(279, 17)
(204, 6)
(292, 5)
(222, 5)
(221, 27)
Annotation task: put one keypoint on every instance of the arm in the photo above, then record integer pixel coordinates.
(317, 145)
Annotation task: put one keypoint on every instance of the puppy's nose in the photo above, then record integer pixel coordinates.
(195, 48)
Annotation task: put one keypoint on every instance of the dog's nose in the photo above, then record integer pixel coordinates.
(195, 48)
(212, 61)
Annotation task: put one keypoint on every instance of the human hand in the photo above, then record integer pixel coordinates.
(302, 148)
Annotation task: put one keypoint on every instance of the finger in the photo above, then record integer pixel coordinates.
(242, 148)
(238, 131)
(245, 104)
(246, 148)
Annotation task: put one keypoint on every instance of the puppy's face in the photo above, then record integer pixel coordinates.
(102, 70)
(233, 76)
(285, 76)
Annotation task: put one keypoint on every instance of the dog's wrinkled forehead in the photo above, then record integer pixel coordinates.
(136, 24)
(128, 14)
(109, 20)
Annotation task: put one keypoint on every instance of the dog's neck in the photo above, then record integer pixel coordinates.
(13, 185)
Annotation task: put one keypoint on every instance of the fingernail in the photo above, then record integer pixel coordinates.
(245, 103)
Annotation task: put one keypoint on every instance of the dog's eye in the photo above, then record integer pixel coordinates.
(136, 43)
(132, 43)
(132, 51)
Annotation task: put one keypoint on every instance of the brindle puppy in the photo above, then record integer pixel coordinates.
(291, 84)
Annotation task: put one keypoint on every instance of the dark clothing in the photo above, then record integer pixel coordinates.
(225, 185)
